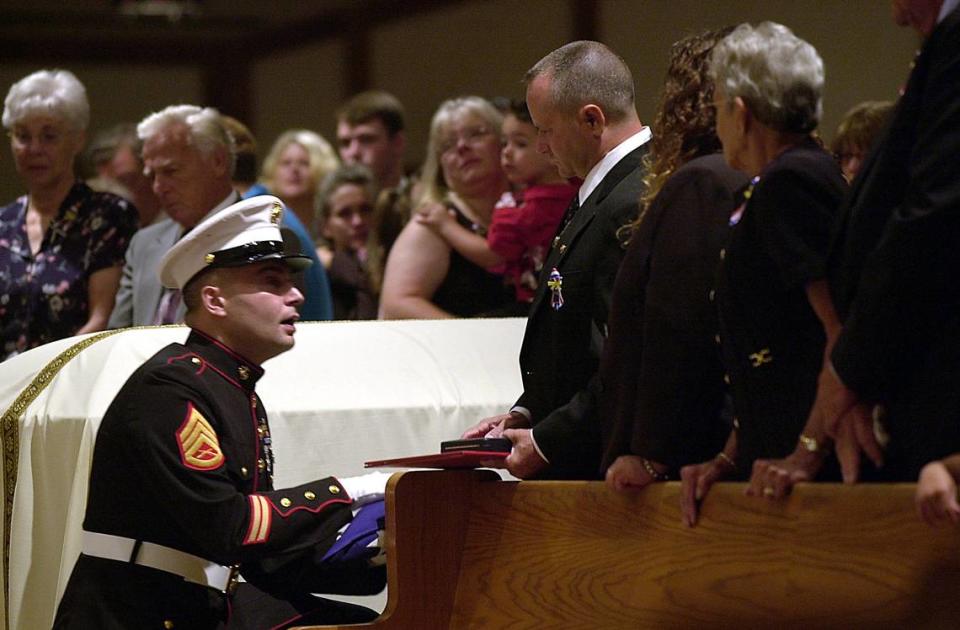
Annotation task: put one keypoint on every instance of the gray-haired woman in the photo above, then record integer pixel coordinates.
(775, 314)
(61, 244)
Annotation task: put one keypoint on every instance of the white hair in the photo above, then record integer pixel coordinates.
(56, 93)
(778, 75)
(207, 131)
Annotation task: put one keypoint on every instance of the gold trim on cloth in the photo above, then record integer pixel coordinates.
(10, 434)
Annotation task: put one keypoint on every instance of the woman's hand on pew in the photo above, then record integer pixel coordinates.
(937, 495)
(775, 478)
(628, 472)
(696, 480)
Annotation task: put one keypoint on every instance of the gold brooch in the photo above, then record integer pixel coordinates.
(759, 358)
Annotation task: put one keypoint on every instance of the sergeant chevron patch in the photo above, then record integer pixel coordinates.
(199, 447)
(260, 518)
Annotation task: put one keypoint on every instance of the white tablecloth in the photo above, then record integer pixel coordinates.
(347, 393)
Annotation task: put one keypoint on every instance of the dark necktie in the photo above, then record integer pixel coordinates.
(571, 211)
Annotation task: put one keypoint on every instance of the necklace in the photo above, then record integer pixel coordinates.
(747, 193)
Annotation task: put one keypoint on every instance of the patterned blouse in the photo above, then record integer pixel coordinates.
(44, 297)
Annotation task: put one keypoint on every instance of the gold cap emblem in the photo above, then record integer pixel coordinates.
(275, 213)
(209, 258)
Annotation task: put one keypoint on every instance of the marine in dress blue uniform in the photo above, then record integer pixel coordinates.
(181, 493)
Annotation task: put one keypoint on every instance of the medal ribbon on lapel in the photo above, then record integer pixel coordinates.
(555, 283)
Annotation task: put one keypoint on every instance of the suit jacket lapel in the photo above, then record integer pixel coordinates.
(152, 289)
(565, 239)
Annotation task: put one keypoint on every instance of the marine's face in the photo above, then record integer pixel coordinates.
(260, 308)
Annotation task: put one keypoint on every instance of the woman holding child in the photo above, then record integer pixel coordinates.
(525, 220)
(425, 276)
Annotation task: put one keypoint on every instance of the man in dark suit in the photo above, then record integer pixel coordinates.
(895, 267)
(581, 98)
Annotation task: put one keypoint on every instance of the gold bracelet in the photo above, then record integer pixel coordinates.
(647, 466)
(723, 457)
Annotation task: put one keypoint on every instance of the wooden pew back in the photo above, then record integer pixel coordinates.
(466, 550)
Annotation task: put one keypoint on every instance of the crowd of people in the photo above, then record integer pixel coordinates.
(715, 296)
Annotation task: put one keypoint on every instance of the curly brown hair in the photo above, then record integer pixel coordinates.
(685, 125)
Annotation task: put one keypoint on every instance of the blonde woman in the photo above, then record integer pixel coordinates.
(297, 163)
(425, 278)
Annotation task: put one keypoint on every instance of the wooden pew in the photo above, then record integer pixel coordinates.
(466, 550)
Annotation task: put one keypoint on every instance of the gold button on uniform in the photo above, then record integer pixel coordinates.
(334, 489)
(244, 471)
(723, 254)
(309, 496)
(261, 464)
(167, 624)
(563, 248)
(726, 379)
(713, 295)
(195, 360)
(716, 338)
(285, 502)
(244, 372)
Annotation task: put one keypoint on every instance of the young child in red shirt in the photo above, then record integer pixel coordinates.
(525, 221)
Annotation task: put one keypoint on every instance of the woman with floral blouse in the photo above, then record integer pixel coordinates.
(61, 244)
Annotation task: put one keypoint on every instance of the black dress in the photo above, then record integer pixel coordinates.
(469, 290)
(662, 379)
(771, 340)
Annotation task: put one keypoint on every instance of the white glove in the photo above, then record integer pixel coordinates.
(365, 488)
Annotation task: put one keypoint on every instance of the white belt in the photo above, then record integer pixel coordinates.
(191, 568)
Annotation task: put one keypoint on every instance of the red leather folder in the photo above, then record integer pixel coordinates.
(451, 459)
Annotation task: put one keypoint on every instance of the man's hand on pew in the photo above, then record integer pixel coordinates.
(524, 461)
(494, 426)
(847, 420)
